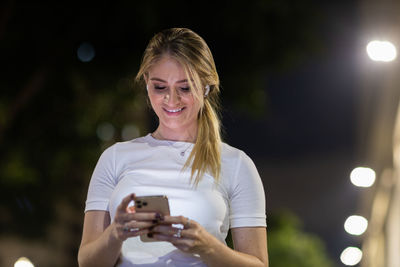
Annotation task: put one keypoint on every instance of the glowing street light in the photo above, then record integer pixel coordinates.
(381, 51)
(362, 177)
(351, 256)
(356, 225)
(23, 262)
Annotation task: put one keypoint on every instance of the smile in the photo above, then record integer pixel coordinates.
(173, 110)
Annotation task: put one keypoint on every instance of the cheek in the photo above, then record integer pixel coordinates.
(154, 101)
(196, 108)
(194, 103)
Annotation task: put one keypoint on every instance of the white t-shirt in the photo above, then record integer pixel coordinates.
(148, 166)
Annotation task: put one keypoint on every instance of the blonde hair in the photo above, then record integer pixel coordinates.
(192, 52)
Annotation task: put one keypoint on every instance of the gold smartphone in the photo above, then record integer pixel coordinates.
(151, 204)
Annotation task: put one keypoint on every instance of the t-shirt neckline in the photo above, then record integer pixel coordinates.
(153, 140)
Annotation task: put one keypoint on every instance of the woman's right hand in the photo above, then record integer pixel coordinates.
(128, 223)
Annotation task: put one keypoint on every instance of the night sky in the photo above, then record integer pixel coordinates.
(305, 142)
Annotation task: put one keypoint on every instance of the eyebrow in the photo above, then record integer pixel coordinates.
(161, 80)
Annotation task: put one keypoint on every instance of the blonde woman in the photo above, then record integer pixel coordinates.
(211, 186)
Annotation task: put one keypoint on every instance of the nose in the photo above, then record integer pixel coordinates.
(172, 98)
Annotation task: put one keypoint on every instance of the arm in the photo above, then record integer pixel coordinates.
(98, 246)
(102, 241)
(250, 243)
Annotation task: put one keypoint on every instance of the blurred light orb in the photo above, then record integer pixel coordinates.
(355, 225)
(105, 131)
(351, 256)
(23, 262)
(363, 177)
(381, 51)
(129, 132)
(86, 52)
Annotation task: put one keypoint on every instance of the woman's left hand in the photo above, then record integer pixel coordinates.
(192, 238)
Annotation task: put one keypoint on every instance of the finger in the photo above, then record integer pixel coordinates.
(168, 230)
(140, 216)
(168, 238)
(125, 202)
(192, 233)
(158, 216)
(186, 222)
(136, 233)
(139, 224)
(184, 244)
(182, 247)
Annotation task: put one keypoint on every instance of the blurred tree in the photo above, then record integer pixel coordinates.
(290, 246)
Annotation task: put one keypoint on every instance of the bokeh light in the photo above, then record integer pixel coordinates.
(23, 262)
(129, 132)
(86, 52)
(351, 256)
(356, 225)
(363, 177)
(381, 51)
(105, 131)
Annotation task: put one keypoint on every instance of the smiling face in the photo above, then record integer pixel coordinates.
(172, 100)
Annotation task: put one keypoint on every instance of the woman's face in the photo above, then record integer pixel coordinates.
(171, 97)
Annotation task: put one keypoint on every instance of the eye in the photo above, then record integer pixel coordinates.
(159, 87)
(185, 89)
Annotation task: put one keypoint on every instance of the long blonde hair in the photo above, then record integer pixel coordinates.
(192, 52)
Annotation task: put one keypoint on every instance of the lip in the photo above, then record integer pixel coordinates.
(173, 111)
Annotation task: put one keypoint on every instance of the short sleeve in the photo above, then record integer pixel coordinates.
(247, 199)
(102, 182)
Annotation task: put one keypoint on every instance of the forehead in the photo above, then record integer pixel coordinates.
(168, 69)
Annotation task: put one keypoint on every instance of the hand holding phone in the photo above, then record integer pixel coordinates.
(157, 204)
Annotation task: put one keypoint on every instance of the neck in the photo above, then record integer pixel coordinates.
(165, 134)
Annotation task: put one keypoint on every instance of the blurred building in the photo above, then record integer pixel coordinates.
(380, 135)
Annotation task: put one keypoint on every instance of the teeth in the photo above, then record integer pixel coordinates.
(174, 110)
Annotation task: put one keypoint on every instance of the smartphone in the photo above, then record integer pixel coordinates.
(151, 204)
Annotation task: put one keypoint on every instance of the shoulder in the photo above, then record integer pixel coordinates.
(230, 153)
(124, 146)
(236, 164)
(120, 150)
(239, 174)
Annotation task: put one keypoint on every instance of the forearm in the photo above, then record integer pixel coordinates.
(218, 254)
(102, 252)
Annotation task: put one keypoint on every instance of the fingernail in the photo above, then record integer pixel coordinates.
(159, 216)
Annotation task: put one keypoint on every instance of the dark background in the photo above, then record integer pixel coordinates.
(289, 94)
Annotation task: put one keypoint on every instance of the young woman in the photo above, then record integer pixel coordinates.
(211, 186)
